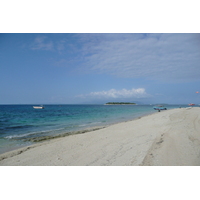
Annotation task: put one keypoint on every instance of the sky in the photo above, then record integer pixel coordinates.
(92, 68)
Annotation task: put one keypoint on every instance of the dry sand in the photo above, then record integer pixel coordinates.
(169, 138)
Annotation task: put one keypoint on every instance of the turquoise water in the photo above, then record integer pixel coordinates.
(20, 123)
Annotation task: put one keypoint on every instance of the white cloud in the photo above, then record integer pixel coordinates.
(154, 56)
(114, 94)
(40, 43)
(60, 45)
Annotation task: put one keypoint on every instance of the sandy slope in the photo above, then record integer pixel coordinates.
(170, 137)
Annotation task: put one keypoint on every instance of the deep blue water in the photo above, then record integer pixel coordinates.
(18, 123)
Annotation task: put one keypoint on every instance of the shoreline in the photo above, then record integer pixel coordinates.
(36, 140)
(153, 139)
(39, 140)
(46, 139)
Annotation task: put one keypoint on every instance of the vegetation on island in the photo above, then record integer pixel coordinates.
(120, 103)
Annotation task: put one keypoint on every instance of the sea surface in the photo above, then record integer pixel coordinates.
(21, 125)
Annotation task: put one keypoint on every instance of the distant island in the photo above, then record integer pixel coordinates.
(120, 103)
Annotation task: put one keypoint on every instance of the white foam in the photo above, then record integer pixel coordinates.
(32, 133)
(89, 124)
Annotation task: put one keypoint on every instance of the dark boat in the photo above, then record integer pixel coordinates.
(159, 107)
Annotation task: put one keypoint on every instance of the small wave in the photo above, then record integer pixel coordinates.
(96, 123)
(83, 124)
(16, 136)
(32, 133)
(89, 124)
(19, 127)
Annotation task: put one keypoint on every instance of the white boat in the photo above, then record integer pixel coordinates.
(38, 107)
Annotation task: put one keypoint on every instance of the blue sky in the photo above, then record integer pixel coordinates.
(96, 68)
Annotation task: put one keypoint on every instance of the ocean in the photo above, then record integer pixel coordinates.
(22, 125)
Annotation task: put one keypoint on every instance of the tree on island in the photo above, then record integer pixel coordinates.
(120, 103)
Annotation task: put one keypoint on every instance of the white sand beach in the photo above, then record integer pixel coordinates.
(166, 138)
